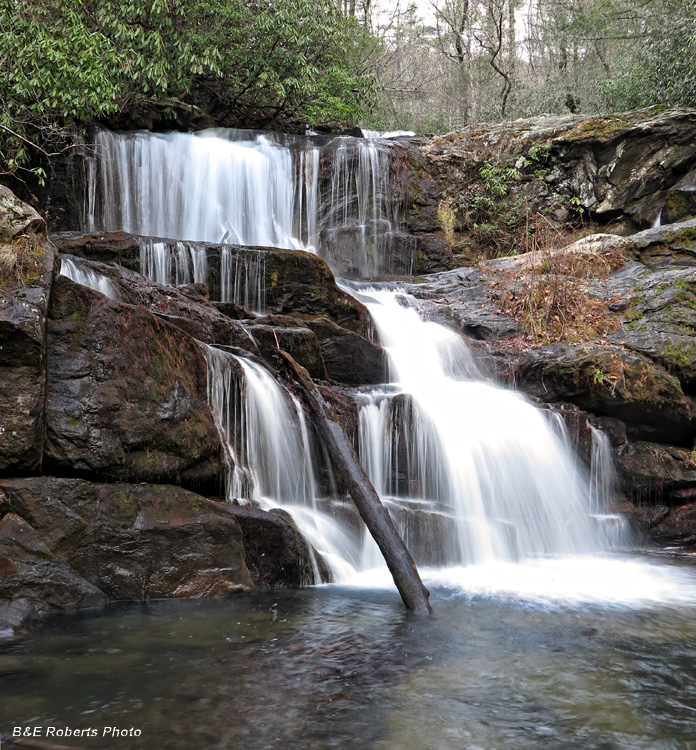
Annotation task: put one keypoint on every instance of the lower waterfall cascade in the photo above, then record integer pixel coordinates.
(476, 477)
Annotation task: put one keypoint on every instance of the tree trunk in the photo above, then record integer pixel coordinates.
(374, 514)
(512, 45)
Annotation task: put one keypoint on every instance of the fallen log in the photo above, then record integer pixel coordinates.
(376, 517)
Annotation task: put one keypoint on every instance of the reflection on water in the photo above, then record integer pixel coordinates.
(346, 668)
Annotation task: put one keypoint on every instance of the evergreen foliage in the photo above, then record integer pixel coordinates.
(268, 63)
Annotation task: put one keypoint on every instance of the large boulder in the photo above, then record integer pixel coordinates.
(666, 525)
(31, 574)
(127, 394)
(348, 357)
(489, 187)
(460, 299)
(275, 552)
(611, 164)
(187, 307)
(654, 295)
(134, 541)
(654, 474)
(26, 271)
(120, 248)
(139, 541)
(666, 245)
(274, 332)
(275, 281)
(17, 218)
(610, 381)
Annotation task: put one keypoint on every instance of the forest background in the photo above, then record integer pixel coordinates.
(431, 66)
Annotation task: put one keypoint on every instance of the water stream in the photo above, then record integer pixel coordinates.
(331, 667)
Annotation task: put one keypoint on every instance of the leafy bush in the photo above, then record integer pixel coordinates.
(266, 63)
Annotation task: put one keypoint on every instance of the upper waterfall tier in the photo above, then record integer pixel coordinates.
(330, 196)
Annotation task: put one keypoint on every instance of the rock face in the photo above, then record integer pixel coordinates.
(17, 218)
(654, 474)
(126, 394)
(134, 541)
(348, 357)
(30, 572)
(669, 526)
(275, 332)
(610, 381)
(635, 165)
(107, 247)
(275, 553)
(26, 273)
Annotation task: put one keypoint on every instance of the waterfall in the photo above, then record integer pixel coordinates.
(331, 196)
(214, 186)
(77, 271)
(174, 263)
(357, 212)
(269, 454)
(472, 473)
(611, 526)
(483, 452)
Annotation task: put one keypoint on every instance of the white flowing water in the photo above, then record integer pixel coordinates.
(235, 274)
(78, 272)
(269, 454)
(209, 186)
(480, 450)
(174, 263)
(330, 196)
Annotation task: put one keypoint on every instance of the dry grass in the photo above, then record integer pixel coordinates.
(18, 260)
(548, 293)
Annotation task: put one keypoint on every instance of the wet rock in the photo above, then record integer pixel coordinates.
(133, 541)
(351, 257)
(120, 248)
(433, 254)
(274, 551)
(186, 307)
(459, 299)
(344, 405)
(654, 474)
(301, 284)
(348, 357)
(274, 280)
(295, 337)
(25, 280)
(127, 394)
(419, 184)
(430, 533)
(233, 310)
(15, 615)
(33, 578)
(609, 381)
(668, 526)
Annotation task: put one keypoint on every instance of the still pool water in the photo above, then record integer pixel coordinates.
(347, 668)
